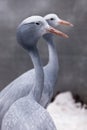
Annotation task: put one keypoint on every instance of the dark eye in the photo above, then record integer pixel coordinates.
(51, 18)
(37, 23)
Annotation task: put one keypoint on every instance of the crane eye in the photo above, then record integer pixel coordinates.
(37, 23)
(51, 18)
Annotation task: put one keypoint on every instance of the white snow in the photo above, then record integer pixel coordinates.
(67, 114)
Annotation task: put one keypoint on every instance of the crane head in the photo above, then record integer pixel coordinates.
(54, 20)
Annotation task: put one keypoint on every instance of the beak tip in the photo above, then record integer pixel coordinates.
(71, 25)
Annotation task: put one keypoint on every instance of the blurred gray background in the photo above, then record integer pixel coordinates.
(72, 52)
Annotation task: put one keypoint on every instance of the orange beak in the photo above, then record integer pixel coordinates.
(63, 22)
(57, 32)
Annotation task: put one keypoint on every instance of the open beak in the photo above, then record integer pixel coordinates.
(63, 22)
(57, 32)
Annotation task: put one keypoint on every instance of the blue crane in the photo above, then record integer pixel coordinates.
(23, 84)
(26, 113)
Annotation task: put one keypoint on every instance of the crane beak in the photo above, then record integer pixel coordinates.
(66, 23)
(57, 32)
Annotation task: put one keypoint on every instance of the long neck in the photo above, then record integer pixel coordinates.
(37, 89)
(53, 65)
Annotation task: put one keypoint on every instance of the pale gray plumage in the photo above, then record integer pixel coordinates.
(23, 84)
(26, 113)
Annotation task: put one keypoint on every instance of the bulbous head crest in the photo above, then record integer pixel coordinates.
(52, 19)
(30, 30)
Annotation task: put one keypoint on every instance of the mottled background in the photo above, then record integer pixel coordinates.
(72, 52)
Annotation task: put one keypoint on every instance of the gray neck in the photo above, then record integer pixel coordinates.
(52, 66)
(37, 89)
